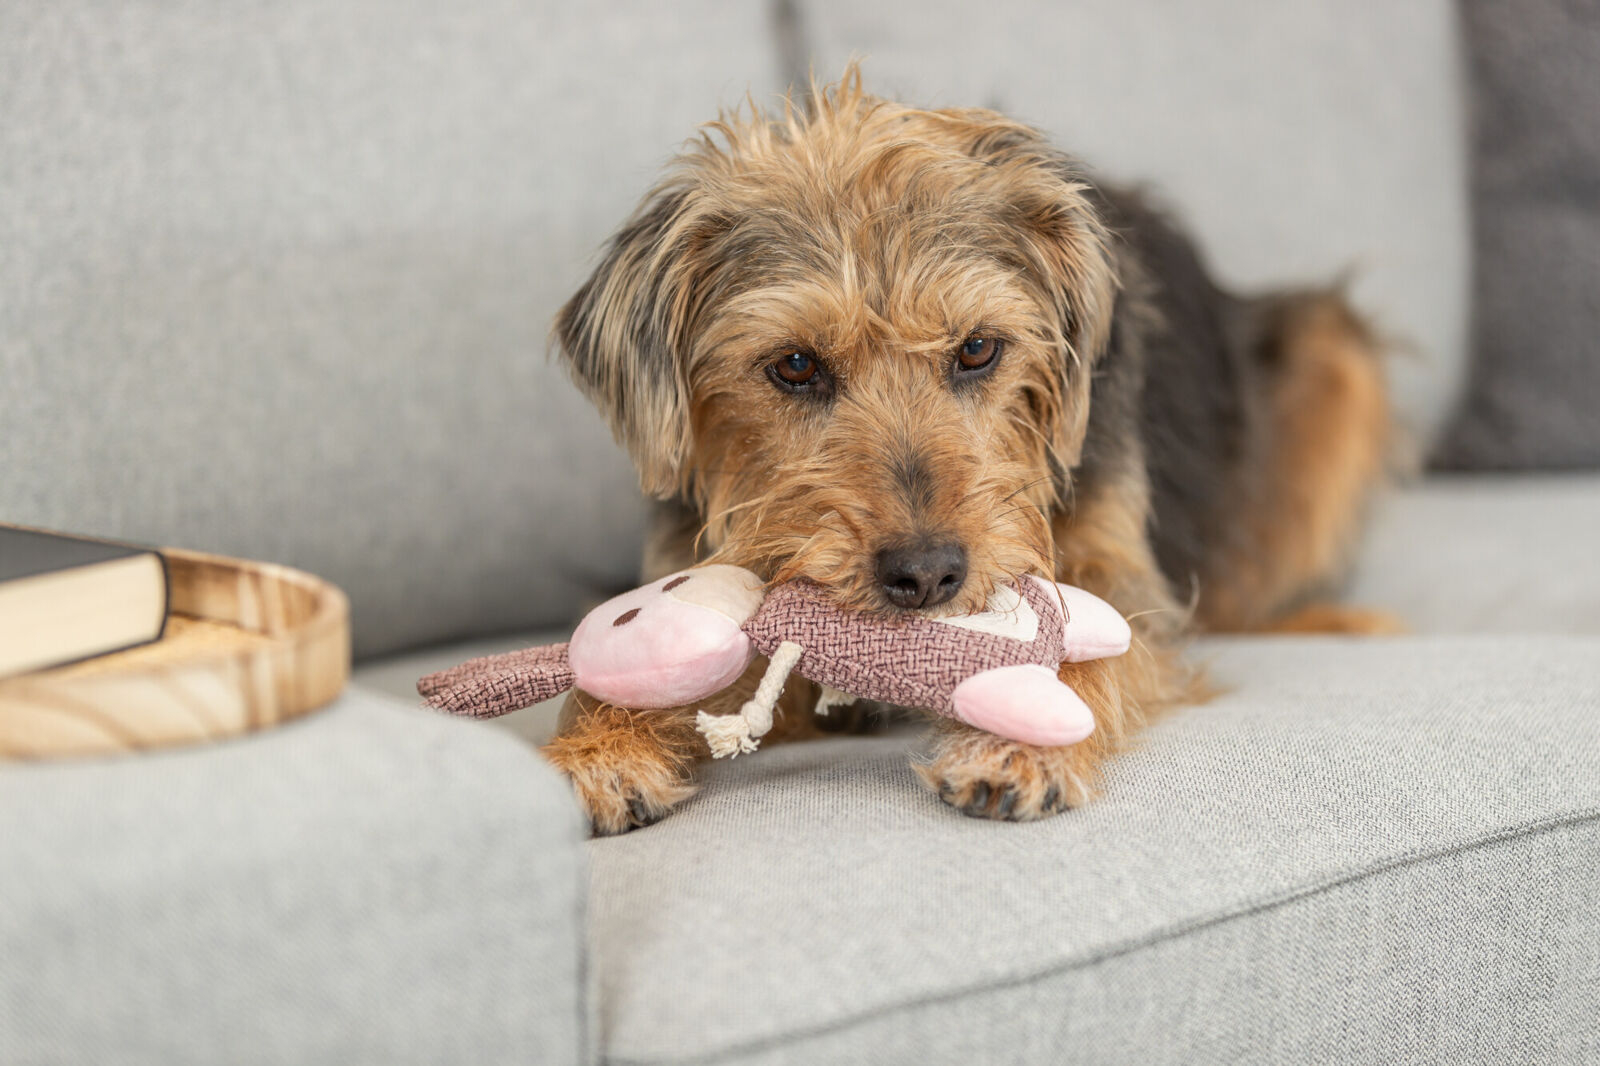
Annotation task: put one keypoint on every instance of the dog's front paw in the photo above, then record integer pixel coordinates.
(985, 776)
(628, 769)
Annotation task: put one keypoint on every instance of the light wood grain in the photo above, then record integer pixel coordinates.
(248, 645)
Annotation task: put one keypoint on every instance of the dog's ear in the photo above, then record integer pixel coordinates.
(1064, 237)
(624, 335)
(1055, 218)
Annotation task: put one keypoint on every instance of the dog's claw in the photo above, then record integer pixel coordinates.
(1051, 796)
(640, 814)
(1008, 802)
(978, 805)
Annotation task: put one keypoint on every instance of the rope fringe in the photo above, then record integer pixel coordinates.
(731, 734)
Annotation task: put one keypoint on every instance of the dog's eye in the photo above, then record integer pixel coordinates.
(797, 371)
(796, 368)
(977, 353)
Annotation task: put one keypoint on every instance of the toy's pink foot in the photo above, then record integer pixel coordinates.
(1025, 703)
(1095, 629)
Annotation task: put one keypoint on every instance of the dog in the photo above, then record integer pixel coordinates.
(912, 355)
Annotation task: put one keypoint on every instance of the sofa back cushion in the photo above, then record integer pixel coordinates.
(1535, 386)
(1299, 139)
(276, 282)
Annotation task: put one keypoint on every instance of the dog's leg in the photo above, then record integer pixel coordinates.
(1299, 512)
(629, 768)
(1336, 618)
(1102, 547)
(986, 776)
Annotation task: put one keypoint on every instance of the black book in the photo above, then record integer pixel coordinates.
(66, 598)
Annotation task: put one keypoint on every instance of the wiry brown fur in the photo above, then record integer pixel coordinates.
(1325, 444)
(880, 237)
(629, 769)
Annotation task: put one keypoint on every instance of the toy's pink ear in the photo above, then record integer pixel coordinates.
(1094, 628)
(671, 642)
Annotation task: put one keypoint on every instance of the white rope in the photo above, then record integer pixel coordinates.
(829, 698)
(730, 734)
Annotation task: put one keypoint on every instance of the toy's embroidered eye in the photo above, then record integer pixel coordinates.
(625, 617)
(977, 353)
(674, 583)
(799, 371)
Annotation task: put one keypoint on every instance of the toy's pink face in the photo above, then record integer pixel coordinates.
(671, 642)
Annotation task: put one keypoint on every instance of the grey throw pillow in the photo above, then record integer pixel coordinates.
(1534, 396)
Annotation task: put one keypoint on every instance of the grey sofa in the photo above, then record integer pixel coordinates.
(274, 280)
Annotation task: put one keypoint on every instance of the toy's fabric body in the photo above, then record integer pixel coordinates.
(995, 670)
(692, 634)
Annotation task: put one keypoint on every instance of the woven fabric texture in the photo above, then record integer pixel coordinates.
(1535, 382)
(1486, 554)
(912, 662)
(373, 883)
(820, 895)
(279, 278)
(493, 685)
(1483, 953)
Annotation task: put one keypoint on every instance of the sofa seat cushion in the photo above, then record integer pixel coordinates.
(372, 883)
(1363, 851)
(1484, 554)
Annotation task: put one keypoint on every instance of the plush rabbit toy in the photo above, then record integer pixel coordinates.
(688, 636)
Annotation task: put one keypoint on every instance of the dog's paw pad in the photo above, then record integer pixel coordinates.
(983, 776)
(622, 792)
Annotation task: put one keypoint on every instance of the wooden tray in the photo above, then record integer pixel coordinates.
(247, 646)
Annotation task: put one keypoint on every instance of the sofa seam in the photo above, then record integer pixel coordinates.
(1413, 857)
(588, 1003)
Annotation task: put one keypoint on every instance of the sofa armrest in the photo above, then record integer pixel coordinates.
(373, 883)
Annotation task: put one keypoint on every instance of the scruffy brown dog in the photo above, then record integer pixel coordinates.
(913, 354)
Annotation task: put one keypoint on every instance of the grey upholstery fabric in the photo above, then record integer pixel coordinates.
(1535, 385)
(372, 884)
(1445, 959)
(1408, 827)
(277, 282)
(1464, 554)
(1298, 139)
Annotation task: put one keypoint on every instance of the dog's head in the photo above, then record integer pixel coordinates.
(860, 339)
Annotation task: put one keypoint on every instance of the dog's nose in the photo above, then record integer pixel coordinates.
(922, 576)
